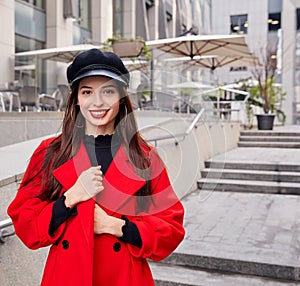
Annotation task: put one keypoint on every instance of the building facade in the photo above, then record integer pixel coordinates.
(39, 24)
(272, 25)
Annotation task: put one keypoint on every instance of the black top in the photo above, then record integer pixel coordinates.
(101, 151)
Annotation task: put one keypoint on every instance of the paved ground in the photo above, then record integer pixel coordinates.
(254, 228)
(249, 227)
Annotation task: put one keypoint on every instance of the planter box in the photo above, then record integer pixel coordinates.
(128, 48)
(265, 121)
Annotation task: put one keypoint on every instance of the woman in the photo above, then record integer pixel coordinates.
(98, 193)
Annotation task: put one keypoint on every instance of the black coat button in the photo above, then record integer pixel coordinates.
(65, 244)
(117, 246)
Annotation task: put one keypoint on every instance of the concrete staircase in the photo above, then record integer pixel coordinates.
(210, 259)
(256, 176)
(270, 139)
(260, 177)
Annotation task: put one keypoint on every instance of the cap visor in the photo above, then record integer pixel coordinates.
(100, 72)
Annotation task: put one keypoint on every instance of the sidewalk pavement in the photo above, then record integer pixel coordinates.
(15, 158)
(248, 230)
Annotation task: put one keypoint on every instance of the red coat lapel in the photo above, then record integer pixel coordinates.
(67, 175)
(120, 183)
(68, 172)
(120, 180)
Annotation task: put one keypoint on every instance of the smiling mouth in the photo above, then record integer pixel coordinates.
(98, 113)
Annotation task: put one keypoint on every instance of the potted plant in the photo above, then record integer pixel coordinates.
(264, 92)
(268, 97)
(128, 47)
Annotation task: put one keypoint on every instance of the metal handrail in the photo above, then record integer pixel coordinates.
(3, 232)
(5, 223)
(179, 135)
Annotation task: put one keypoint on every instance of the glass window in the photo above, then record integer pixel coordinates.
(118, 17)
(239, 24)
(23, 44)
(274, 21)
(149, 3)
(82, 27)
(84, 8)
(81, 35)
(30, 22)
(298, 18)
(29, 71)
(38, 3)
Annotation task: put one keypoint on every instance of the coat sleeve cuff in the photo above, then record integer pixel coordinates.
(131, 233)
(60, 213)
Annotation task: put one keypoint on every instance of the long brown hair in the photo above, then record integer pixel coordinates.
(67, 144)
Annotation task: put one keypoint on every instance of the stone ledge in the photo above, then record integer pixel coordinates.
(235, 266)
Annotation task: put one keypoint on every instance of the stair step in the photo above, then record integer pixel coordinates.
(173, 275)
(249, 186)
(270, 144)
(231, 265)
(253, 165)
(235, 174)
(269, 139)
(270, 133)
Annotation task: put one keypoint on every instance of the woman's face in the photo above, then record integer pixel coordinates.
(98, 99)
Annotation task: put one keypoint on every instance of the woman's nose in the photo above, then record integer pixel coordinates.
(98, 99)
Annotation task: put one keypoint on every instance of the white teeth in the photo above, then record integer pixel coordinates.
(98, 113)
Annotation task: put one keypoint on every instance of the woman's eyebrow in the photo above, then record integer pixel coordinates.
(109, 85)
(85, 86)
(102, 86)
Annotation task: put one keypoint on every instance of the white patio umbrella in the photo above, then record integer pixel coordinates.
(214, 61)
(190, 85)
(63, 54)
(191, 46)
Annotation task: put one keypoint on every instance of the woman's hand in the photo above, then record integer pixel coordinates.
(104, 223)
(87, 186)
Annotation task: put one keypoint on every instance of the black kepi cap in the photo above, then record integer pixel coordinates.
(95, 62)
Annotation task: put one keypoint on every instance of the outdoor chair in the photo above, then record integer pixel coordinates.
(12, 101)
(47, 102)
(29, 98)
(61, 96)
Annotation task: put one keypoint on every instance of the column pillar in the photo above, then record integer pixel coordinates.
(7, 40)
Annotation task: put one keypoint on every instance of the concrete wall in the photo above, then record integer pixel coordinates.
(18, 127)
(288, 63)
(184, 160)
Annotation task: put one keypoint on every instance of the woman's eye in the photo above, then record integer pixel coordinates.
(109, 91)
(87, 92)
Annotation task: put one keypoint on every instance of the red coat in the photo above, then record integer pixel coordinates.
(70, 260)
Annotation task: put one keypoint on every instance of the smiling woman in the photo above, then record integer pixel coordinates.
(98, 99)
(98, 194)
